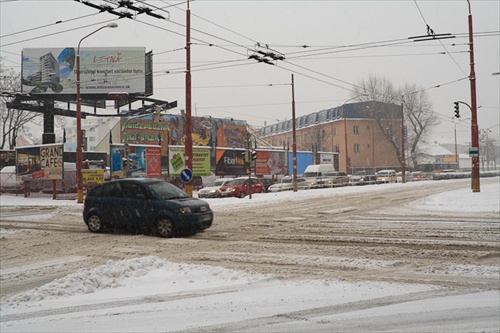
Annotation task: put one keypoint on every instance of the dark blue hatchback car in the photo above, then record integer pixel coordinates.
(145, 203)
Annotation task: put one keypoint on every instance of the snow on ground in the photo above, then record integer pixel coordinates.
(151, 294)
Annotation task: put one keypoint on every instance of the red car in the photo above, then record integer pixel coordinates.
(238, 187)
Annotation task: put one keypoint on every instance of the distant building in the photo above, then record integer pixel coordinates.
(355, 125)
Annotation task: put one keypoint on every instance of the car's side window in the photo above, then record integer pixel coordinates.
(112, 190)
(134, 191)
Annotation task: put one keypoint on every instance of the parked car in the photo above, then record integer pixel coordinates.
(267, 182)
(145, 203)
(212, 189)
(314, 174)
(408, 177)
(238, 187)
(386, 176)
(335, 178)
(286, 184)
(363, 178)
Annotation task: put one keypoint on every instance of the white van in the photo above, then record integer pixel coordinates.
(314, 174)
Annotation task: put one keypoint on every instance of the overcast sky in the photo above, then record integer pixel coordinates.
(347, 41)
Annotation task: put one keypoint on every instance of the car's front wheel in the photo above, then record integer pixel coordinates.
(164, 227)
(242, 194)
(95, 223)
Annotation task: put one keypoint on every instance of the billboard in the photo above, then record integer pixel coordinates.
(102, 70)
(270, 162)
(40, 162)
(200, 163)
(142, 161)
(230, 161)
(304, 158)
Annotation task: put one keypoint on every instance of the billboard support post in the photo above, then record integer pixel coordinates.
(79, 178)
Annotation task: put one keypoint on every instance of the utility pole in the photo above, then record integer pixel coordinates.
(188, 142)
(403, 162)
(475, 177)
(294, 142)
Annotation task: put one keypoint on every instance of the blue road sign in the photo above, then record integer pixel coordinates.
(186, 175)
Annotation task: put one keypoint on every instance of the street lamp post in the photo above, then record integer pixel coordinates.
(79, 139)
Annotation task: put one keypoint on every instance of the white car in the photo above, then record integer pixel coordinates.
(212, 189)
(286, 184)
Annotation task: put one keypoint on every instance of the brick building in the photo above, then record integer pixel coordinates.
(357, 126)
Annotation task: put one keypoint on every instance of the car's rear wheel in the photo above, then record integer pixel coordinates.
(164, 228)
(242, 194)
(95, 223)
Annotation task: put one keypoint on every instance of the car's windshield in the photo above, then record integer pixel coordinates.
(286, 180)
(168, 191)
(217, 183)
(310, 174)
(236, 182)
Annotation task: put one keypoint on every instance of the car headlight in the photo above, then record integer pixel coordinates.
(184, 210)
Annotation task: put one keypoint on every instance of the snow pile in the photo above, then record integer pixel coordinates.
(129, 273)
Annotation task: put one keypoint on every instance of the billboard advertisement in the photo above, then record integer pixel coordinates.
(270, 162)
(40, 162)
(229, 161)
(329, 158)
(304, 158)
(142, 161)
(201, 161)
(102, 70)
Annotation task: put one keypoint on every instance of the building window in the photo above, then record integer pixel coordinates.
(91, 138)
(356, 148)
(356, 129)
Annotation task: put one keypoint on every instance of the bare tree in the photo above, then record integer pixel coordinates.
(13, 122)
(419, 117)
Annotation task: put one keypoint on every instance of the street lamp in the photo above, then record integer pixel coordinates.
(79, 178)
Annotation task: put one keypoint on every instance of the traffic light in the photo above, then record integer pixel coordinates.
(254, 155)
(457, 110)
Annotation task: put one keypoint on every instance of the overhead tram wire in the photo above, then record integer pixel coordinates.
(57, 33)
(431, 32)
(49, 25)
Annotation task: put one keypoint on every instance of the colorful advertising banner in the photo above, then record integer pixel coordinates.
(229, 161)
(142, 161)
(270, 162)
(144, 131)
(201, 160)
(40, 162)
(102, 70)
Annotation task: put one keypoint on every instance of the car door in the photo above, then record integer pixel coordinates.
(137, 205)
(256, 186)
(112, 205)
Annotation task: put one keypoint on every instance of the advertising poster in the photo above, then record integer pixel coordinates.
(201, 160)
(93, 176)
(40, 162)
(231, 135)
(304, 159)
(144, 131)
(270, 162)
(153, 162)
(102, 70)
(229, 161)
(137, 163)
